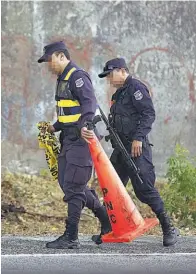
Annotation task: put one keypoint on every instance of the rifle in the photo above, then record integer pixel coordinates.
(118, 143)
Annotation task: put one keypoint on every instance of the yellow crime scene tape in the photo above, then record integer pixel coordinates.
(51, 145)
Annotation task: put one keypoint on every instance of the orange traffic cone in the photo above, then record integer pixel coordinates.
(126, 221)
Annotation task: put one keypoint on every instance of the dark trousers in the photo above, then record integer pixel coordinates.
(74, 172)
(145, 192)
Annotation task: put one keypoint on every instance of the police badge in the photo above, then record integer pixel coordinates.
(138, 95)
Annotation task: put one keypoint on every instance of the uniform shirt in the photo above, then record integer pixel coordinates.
(81, 87)
(140, 104)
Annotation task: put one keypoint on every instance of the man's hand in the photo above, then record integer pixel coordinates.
(87, 134)
(136, 149)
(51, 129)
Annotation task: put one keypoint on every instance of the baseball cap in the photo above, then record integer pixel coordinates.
(50, 49)
(111, 65)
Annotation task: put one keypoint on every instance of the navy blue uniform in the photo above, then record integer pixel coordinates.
(74, 161)
(75, 106)
(132, 116)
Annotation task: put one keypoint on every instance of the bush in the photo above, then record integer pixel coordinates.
(180, 192)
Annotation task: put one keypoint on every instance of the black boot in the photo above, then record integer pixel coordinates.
(69, 239)
(170, 233)
(101, 214)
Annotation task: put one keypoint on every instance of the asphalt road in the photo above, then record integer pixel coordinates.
(146, 255)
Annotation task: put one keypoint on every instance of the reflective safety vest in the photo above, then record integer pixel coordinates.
(68, 107)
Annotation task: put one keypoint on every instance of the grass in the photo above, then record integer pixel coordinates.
(45, 210)
(42, 199)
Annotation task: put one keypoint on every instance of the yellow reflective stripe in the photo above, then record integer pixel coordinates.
(69, 118)
(69, 73)
(68, 103)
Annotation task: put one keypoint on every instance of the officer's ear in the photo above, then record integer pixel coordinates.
(123, 71)
(62, 56)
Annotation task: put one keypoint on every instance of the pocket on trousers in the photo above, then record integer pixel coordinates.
(79, 174)
(79, 156)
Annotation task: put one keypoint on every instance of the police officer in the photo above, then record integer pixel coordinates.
(76, 105)
(132, 115)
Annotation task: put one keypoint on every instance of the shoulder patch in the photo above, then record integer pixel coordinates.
(79, 83)
(138, 95)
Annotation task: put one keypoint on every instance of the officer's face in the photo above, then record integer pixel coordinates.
(116, 78)
(54, 64)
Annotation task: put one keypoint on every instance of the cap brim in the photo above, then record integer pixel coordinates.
(104, 73)
(44, 58)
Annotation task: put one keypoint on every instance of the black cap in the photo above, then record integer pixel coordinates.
(50, 49)
(111, 65)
